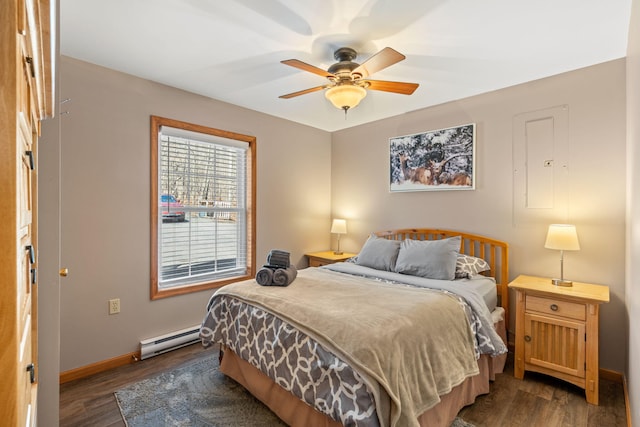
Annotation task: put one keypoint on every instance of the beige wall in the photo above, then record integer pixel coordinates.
(595, 97)
(633, 204)
(105, 193)
(105, 189)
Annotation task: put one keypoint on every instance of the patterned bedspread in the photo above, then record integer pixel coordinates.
(292, 359)
(333, 374)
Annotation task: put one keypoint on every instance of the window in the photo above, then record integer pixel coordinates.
(202, 215)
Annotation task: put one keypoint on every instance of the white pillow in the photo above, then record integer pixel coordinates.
(379, 253)
(434, 259)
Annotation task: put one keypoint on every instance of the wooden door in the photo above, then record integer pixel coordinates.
(23, 85)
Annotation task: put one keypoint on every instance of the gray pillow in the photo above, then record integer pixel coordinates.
(434, 259)
(379, 253)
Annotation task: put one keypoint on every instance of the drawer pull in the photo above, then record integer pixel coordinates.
(554, 307)
(32, 372)
(29, 154)
(29, 60)
(32, 253)
(527, 338)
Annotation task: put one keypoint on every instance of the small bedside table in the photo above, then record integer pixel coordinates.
(557, 331)
(317, 259)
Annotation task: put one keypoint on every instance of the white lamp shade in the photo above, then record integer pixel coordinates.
(345, 96)
(339, 226)
(562, 237)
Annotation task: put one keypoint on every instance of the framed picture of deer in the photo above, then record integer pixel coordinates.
(435, 160)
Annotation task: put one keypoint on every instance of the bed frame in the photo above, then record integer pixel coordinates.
(299, 414)
(495, 252)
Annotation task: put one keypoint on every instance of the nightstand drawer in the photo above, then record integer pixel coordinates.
(318, 259)
(555, 307)
(317, 262)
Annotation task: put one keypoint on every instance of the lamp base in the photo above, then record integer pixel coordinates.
(561, 282)
(338, 252)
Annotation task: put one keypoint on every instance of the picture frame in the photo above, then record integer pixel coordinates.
(435, 160)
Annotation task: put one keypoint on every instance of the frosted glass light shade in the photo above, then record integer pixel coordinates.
(339, 226)
(345, 96)
(562, 237)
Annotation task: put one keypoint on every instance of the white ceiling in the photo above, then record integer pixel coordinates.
(231, 50)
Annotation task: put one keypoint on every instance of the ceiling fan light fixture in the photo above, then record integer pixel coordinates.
(345, 97)
(346, 88)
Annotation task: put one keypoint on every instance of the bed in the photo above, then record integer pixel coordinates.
(405, 334)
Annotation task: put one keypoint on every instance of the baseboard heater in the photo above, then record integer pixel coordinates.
(167, 342)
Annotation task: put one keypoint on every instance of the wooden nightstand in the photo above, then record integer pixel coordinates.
(557, 331)
(317, 259)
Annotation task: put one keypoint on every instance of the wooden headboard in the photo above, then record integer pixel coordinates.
(495, 252)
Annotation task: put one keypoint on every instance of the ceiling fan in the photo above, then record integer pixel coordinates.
(348, 80)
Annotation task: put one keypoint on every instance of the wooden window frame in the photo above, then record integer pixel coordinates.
(156, 125)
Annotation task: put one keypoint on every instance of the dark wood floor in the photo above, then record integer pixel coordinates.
(543, 401)
(538, 400)
(90, 401)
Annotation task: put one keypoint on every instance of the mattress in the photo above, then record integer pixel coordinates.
(486, 287)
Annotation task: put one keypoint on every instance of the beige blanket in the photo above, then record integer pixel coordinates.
(416, 343)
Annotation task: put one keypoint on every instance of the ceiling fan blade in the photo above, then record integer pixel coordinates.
(307, 67)
(402, 88)
(302, 92)
(383, 59)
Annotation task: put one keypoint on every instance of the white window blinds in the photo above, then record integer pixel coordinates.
(202, 189)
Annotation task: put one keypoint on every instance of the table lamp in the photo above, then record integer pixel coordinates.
(562, 237)
(339, 226)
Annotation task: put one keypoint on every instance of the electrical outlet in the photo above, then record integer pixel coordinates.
(114, 306)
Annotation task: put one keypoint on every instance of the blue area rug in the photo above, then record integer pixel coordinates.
(197, 395)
